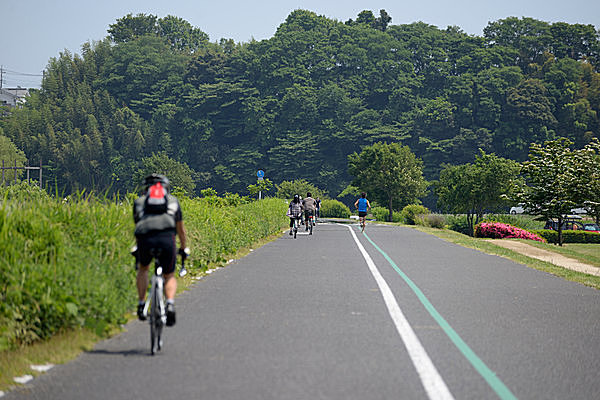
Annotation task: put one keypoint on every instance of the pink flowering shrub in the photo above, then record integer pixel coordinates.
(498, 230)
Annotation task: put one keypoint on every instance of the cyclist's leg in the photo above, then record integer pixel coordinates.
(144, 258)
(168, 259)
(170, 286)
(142, 282)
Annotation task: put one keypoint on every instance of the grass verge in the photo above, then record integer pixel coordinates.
(588, 253)
(60, 348)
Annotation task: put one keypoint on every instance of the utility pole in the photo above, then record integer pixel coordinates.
(1, 76)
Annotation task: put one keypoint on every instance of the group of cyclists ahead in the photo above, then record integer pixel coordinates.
(304, 211)
(307, 210)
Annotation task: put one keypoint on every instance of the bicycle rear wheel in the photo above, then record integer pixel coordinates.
(156, 323)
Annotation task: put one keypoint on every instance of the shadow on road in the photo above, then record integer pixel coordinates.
(125, 353)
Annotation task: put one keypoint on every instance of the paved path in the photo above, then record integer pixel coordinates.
(394, 314)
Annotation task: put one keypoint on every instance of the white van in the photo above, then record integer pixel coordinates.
(517, 210)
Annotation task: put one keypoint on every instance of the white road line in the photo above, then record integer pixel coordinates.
(430, 378)
(23, 379)
(42, 368)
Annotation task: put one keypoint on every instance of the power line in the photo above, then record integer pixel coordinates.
(9, 75)
(8, 71)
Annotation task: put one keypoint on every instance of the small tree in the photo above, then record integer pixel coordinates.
(11, 156)
(554, 185)
(287, 189)
(262, 186)
(473, 189)
(180, 174)
(390, 173)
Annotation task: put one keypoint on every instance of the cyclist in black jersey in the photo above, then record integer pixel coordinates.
(158, 220)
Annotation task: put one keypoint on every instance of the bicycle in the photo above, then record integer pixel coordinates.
(310, 222)
(156, 302)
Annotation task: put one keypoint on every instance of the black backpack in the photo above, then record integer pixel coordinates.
(155, 211)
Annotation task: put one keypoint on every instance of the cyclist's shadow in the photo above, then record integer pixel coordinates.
(124, 353)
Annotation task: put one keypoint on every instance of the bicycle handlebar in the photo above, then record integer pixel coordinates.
(184, 253)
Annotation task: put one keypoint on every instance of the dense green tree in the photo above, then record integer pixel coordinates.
(298, 103)
(589, 158)
(554, 186)
(390, 173)
(530, 37)
(528, 118)
(478, 187)
(180, 34)
(131, 27)
(577, 41)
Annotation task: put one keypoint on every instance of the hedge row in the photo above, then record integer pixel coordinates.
(568, 236)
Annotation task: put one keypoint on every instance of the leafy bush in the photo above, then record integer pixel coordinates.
(383, 214)
(23, 191)
(459, 224)
(234, 199)
(437, 221)
(334, 209)
(498, 230)
(211, 197)
(410, 212)
(569, 236)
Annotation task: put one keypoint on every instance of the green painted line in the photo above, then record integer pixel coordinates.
(487, 374)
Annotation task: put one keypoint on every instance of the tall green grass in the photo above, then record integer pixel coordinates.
(216, 231)
(65, 262)
(62, 264)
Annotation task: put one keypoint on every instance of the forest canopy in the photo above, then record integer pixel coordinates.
(297, 104)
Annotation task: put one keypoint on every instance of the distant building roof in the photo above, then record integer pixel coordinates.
(13, 97)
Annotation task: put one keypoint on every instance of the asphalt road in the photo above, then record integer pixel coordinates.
(414, 317)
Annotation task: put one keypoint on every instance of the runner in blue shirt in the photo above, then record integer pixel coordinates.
(363, 206)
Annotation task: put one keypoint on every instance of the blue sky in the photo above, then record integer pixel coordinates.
(33, 31)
